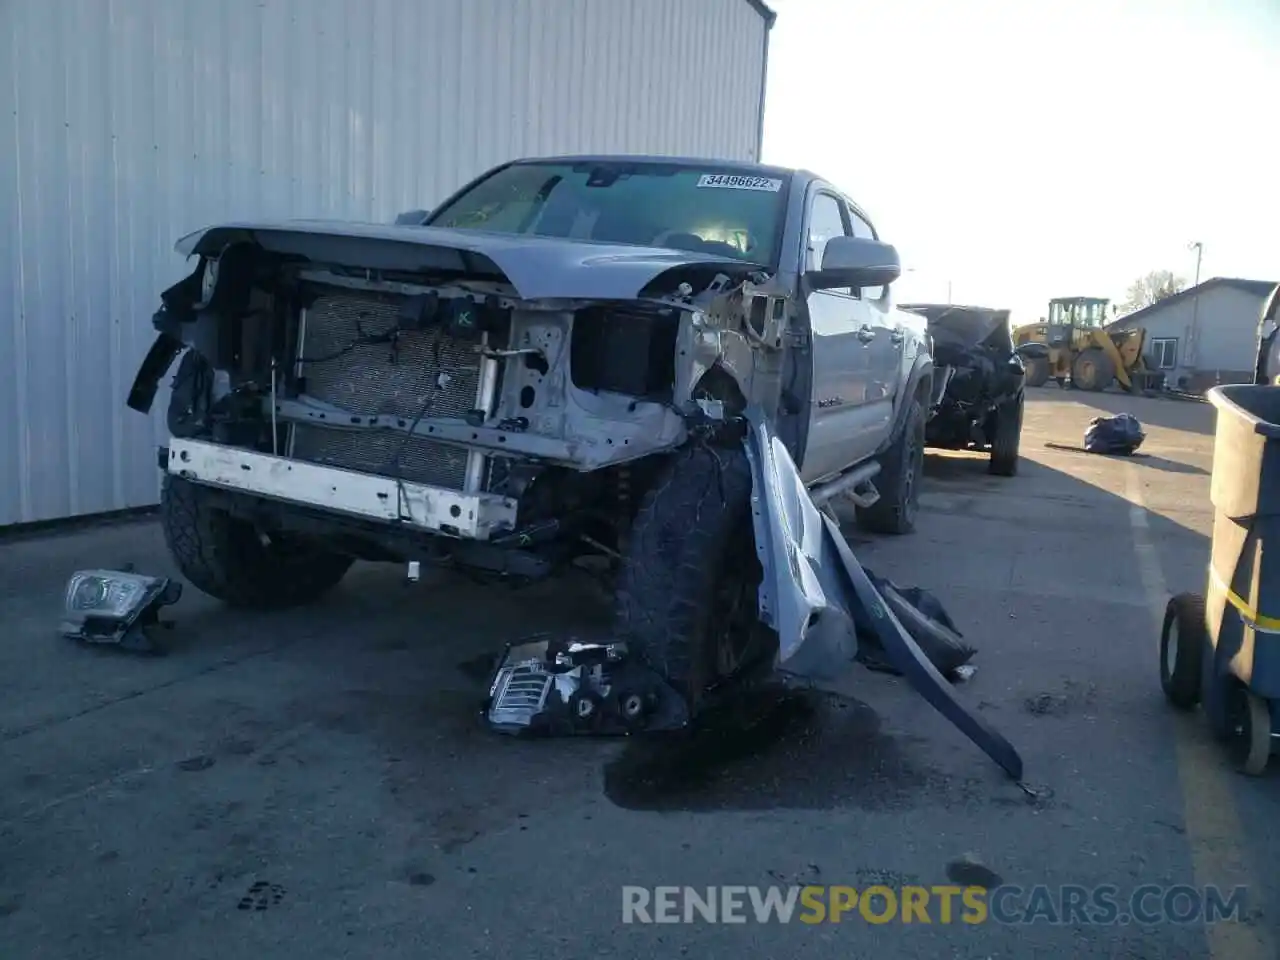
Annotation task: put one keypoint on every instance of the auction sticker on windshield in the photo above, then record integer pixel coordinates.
(727, 181)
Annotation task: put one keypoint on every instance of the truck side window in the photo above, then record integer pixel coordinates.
(826, 220)
(861, 228)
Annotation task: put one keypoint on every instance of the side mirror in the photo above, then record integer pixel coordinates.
(855, 262)
(412, 218)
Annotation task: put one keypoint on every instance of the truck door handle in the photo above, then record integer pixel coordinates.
(866, 333)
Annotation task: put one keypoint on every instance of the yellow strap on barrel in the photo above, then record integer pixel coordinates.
(1247, 613)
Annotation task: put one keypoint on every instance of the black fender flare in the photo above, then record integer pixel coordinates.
(921, 372)
(177, 308)
(154, 366)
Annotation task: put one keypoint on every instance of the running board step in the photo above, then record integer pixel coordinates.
(857, 485)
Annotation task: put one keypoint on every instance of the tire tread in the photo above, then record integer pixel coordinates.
(675, 558)
(220, 556)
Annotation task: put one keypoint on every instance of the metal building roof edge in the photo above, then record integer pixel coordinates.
(770, 16)
(1262, 288)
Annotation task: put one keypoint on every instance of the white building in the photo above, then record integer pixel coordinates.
(1205, 335)
(129, 124)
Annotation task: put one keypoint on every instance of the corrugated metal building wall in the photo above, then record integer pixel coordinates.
(127, 123)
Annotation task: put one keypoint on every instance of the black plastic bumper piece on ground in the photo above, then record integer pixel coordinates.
(909, 660)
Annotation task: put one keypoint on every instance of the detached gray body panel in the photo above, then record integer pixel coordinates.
(813, 583)
(802, 594)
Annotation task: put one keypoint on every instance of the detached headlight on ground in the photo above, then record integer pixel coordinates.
(116, 607)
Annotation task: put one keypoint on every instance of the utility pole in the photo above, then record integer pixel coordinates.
(948, 293)
(1193, 338)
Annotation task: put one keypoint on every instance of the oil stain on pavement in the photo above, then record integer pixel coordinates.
(776, 749)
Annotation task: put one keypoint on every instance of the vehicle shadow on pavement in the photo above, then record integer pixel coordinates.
(777, 749)
(1138, 458)
(1062, 620)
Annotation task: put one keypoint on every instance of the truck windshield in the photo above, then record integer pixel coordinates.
(703, 209)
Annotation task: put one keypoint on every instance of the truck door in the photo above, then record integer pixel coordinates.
(842, 427)
(885, 350)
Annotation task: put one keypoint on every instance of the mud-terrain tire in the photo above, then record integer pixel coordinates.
(901, 470)
(1036, 371)
(226, 558)
(691, 543)
(1007, 438)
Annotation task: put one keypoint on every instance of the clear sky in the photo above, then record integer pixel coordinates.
(1029, 149)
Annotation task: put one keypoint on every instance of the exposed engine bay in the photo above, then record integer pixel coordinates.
(508, 429)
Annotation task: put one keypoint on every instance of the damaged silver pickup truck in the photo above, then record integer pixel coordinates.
(559, 360)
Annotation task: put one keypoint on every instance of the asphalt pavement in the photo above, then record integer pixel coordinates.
(318, 784)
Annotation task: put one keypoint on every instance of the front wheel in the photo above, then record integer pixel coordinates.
(898, 482)
(687, 594)
(231, 561)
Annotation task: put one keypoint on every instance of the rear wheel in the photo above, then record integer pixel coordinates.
(1183, 638)
(230, 560)
(1007, 438)
(1037, 371)
(898, 482)
(1092, 370)
(1250, 719)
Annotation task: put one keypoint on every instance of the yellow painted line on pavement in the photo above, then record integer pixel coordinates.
(1218, 853)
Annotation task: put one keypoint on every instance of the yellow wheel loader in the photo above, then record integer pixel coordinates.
(1078, 348)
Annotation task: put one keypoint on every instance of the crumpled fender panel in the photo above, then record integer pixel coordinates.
(812, 581)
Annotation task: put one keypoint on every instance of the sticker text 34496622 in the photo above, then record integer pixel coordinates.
(727, 181)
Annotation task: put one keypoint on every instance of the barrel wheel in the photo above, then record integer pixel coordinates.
(1249, 717)
(1183, 638)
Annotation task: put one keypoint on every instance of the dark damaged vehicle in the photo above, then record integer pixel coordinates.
(978, 385)
(564, 359)
(1267, 361)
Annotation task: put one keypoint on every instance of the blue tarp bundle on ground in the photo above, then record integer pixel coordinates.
(1121, 434)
